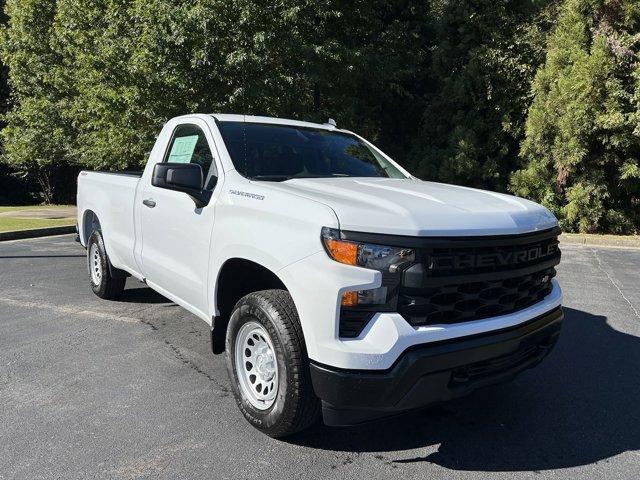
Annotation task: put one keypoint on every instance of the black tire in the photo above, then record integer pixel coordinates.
(107, 287)
(295, 407)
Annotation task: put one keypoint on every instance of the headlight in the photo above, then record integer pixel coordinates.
(367, 255)
(390, 261)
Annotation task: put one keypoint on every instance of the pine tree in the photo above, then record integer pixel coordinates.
(582, 145)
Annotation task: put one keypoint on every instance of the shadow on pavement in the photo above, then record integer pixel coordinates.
(581, 405)
(142, 295)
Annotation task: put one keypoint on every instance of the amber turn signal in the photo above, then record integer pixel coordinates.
(341, 251)
(349, 299)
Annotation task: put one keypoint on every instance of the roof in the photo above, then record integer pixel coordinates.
(227, 117)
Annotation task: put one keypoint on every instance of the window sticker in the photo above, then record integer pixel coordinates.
(182, 149)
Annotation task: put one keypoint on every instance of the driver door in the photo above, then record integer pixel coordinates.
(175, 233)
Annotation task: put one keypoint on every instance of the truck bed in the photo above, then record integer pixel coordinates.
(111, 197)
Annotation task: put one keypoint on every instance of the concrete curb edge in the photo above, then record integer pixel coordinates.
(37, 232)
(600, 240)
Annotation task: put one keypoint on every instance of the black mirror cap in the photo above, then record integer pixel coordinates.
(182, 177)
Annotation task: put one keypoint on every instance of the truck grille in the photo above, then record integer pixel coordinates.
(460, 280)
(475, 300)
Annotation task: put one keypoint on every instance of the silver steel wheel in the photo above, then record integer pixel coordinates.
(95, 264)
(256, 365)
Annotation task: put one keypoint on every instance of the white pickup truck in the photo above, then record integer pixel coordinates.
(337, 282)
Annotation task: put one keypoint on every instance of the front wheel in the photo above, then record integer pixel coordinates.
(102, 283)
(268, 366)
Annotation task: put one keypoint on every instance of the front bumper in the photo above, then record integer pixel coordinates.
(388, 334)
(435, 372)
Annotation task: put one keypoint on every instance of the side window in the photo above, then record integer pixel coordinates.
(189, 145)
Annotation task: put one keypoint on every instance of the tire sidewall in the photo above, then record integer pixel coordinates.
(96, 238)
(270, 419)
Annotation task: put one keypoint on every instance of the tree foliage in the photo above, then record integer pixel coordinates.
(445, 86)
(93, 81)
(582, 143)
(483, 56)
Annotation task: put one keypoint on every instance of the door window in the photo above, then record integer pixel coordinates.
(189, 145)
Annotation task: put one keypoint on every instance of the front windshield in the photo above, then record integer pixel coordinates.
(281, 152)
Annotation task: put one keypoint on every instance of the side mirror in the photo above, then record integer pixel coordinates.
(181, 177)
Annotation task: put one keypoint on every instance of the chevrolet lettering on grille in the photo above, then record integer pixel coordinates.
(493, 259)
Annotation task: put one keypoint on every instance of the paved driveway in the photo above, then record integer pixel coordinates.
(129, 389)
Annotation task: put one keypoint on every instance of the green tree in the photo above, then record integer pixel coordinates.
(482, 56)
(32, 135)
(93, 81)
(582, 144)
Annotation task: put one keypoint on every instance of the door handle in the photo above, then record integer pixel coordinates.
(149, 202)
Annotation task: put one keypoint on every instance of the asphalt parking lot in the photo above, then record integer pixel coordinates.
(129, 389)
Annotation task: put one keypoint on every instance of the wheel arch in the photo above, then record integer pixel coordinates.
(90, 223)
(236, 278)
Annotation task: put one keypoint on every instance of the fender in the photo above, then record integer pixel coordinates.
(240, 252)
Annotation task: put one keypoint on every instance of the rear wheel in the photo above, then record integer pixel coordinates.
(102, 283)
(268, 366)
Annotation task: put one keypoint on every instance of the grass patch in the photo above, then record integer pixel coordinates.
(11, 218)
(12, 224)
(29, 207)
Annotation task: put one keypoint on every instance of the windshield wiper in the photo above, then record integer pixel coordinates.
(284, 178)
(270, 178)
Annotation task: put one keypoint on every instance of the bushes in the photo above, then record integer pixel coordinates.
(14, 187)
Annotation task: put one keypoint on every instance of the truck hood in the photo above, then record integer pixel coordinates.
(417, 208)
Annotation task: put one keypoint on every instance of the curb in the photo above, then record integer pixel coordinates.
(600, 240)
(37, 232)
